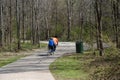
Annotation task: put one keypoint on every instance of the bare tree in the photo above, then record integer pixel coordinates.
(18, 25)
(70, 4)
(81, 9)
(0, 23)
(23, 20)
(98, 9)
(10, 24)
(115, 6)
(32, 23)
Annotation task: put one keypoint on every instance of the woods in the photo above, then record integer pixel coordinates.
(92, 27)
(71, 20)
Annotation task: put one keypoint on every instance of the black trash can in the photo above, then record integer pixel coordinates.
(79, 47)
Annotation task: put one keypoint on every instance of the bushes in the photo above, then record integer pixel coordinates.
(106, 67)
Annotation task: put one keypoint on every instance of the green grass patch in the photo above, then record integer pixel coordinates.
(24, 46)
(69, 68)
(29, 46)
(87, 66)
(8, 60)
(7, 56)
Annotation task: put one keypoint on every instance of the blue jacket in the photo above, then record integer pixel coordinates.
(51, 42)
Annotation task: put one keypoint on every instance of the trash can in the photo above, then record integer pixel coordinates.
(79, 47)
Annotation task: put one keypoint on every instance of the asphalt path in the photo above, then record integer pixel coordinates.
(36, 66)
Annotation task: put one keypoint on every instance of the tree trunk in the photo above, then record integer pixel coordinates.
(0, 24)
(33, 29)
(18, 25)
(47, 28)
(10, 35)
(23, 20)
(81, 26)
(116, 21)
(2, 42)
(99, 24)
(68, 18)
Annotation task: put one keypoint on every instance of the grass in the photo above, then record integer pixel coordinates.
(24, 46)
(87, 66)
(68, 68)
(7, 57)
(5, 61)
(29, 46)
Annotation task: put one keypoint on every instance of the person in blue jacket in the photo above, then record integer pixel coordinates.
(51, 46)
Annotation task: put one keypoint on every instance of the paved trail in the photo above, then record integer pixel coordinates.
(35, 67)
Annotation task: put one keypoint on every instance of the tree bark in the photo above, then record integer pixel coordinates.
(18, 25)
(116, 21)
(68, 18)
(0, 23)
(32, 24)
(23, 20)
(10, 35)
(99, 24)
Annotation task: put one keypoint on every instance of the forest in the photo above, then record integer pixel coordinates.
(90, 21)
